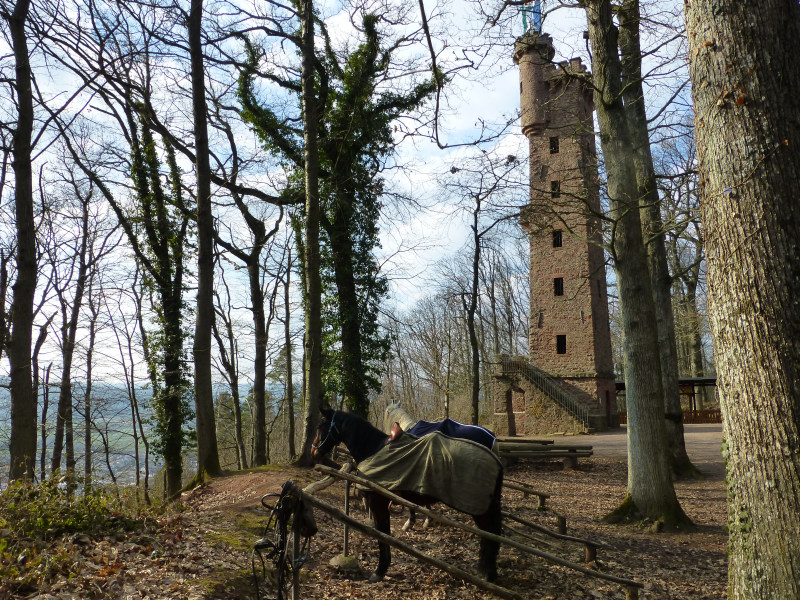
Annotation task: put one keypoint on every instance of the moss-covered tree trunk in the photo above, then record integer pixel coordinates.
(745, 72)
(354, 384)
(171, 413)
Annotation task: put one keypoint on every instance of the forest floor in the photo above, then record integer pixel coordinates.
(204, 549)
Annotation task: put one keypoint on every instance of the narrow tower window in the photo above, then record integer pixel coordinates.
(554, 145)
(555, 189)
(558, 286)
(558, 241)
(561, 344)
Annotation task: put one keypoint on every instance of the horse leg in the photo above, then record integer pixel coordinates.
(491, 521)
(379, 511)
(412, 518)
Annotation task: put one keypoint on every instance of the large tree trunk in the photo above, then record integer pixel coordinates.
(650, 489)
(22, 446)
(745, 71)
(313, 292)
(207, 452)
(650, 203)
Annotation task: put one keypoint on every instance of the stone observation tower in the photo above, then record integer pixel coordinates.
(567, 382)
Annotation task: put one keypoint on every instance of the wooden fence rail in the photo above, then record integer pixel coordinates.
(631, 587)
(690, 417)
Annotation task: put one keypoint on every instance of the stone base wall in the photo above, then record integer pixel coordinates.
(520, 408)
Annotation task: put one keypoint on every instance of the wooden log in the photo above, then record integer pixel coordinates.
(516, 440)
(590, 545)
(479, 532)
(560, 536)
(525, 534)
(526, 491)
(409, 549)
(541, 447)
(328, 481)
(547, 454)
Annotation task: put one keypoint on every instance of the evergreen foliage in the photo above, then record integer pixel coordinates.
(161, 227)
(355, 141)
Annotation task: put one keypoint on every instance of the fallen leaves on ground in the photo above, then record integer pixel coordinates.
(205, 550)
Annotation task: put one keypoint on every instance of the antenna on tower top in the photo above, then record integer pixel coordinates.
(536, 13)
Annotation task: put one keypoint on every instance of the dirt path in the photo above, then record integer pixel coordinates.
(204, 551)
(703, 444)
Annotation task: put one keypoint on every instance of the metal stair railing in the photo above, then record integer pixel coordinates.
(547, 385)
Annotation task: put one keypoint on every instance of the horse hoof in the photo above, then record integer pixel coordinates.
(375, 577)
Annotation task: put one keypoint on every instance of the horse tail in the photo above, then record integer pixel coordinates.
(491, 521)
(496, 505)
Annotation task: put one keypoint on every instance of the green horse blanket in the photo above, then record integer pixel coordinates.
(459, 472)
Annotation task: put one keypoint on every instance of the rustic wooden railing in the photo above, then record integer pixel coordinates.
(692, 417)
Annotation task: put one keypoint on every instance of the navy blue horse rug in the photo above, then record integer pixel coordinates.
(454, 429)
(459, 472)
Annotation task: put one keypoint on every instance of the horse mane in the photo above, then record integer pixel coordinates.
(360, 436)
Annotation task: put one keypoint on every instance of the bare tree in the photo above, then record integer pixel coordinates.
(650, 203)
(22, 447)
(229, 358)
(650, 489)
(485, 183)
(207, 452)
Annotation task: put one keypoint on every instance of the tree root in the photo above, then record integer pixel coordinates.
(628, 512)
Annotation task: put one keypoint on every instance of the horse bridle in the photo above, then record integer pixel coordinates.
(331, 428)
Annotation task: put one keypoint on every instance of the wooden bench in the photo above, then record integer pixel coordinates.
(543, 449)
(504, 439)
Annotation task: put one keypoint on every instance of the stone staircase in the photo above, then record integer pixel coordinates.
(514, 366)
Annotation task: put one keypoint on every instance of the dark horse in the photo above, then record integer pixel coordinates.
(363, 440)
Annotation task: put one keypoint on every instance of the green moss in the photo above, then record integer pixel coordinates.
(628, 512)
(241, 537)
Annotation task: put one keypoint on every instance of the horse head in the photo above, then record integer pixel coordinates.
(329, 434)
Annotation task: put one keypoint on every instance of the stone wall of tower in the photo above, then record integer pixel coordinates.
(569, 334)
